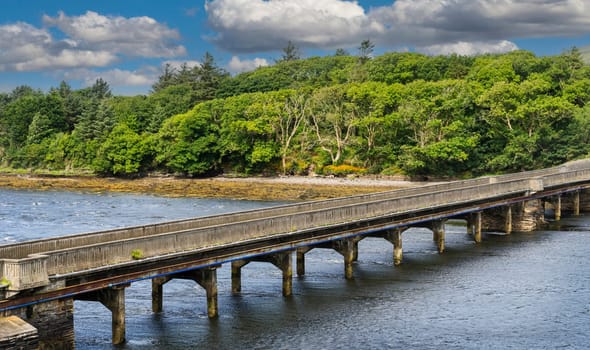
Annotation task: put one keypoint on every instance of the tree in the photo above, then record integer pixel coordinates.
(289, 120)
(333, 118)
(188, 143)
(290, 53)
(166, 79)
(209, 78)
(366, 51)
(436, 116)
(39, 129)
(122, 153)
(341, 52)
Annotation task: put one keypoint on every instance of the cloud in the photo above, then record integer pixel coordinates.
(91, 40)
(236, 65)
(258, 25)
(27, 48)
(145, 76)
(433, 26)
(135, 36)
(469, 48)
(431, 22)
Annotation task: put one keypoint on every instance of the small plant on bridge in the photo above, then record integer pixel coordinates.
(4, 282)
(137, 254)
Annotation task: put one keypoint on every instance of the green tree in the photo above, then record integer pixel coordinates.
(187, 143)
(290, 53)
(366, 51)
(333, 119)
(122, 153)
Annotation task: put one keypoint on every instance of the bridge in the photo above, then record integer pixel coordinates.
(40, 279)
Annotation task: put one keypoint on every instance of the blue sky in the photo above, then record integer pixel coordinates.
(128, 42)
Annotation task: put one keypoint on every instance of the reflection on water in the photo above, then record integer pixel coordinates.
(522, 291)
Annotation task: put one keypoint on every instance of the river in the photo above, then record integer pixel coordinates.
(522, 291)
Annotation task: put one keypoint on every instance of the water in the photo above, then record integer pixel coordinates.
(523, 291)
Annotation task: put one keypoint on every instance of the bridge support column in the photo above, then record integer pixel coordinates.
(438, 234)
(395, 237)
(206, 278)
(158, 293)
(346, 248)
(508, 220)
(112, 298)
(236, 275)
(557, 207)
(570, 203)
(355, 250)
(528, 216)
(477, 227)
(301, 260)
(584, 200)
(281, 260)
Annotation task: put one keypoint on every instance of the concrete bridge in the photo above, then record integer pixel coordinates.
(40, 279)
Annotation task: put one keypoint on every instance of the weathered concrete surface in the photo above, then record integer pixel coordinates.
(53, 320)
(17, 334)
(522, 217)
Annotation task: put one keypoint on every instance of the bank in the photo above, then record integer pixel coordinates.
(254, 188)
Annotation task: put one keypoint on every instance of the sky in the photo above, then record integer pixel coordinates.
(128, 42)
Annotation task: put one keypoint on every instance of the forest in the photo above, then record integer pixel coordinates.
(392, 114)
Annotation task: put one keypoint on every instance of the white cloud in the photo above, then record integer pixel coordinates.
(26, 48)
(135, 36)
(116, 78)
(469, 49)
(429, 25)
(253, 25)
(92, 40)
(236, 65)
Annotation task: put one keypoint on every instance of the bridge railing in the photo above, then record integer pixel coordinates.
(21, 274)
(264, 224)
(23, 249)
(115, 252)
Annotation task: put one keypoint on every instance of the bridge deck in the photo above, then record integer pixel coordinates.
(95, 260)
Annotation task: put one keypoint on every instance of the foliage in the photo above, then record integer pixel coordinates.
(343, 170)
(137, 254)
(397, 113)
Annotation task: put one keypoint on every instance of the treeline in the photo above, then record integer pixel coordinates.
(399, 113)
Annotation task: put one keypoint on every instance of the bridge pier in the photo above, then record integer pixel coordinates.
(393, 236)
(206, 278)
(301, 260)
(477, 225)
(438, 233)
(571, 203)
(584, 196)
(555, 203)
(54, 320)
(347, 247)
(112, 298)
(282, 260)
(525, 216)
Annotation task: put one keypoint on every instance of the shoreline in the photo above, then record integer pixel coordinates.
(289, 188)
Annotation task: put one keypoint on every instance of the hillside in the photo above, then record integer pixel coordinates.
(394, 114)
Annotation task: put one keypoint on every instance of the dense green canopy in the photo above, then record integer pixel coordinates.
(398, 113)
